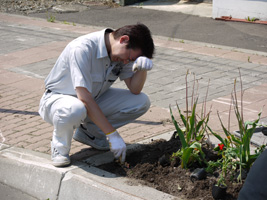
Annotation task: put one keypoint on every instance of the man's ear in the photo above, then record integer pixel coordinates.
(124, 39)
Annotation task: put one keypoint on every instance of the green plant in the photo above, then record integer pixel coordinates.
(229, 164)
(212, 166)
(65, 22)
(251, 19)
(192, 134)
(239, 145)
(50, 18)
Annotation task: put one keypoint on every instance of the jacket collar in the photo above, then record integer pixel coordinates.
(102, 49)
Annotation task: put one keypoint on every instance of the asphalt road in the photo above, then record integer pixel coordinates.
(172, 25)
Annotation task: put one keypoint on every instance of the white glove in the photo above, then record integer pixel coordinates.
(117, 146)
(142, 63)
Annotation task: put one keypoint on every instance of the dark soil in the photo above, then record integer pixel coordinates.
(150, 168)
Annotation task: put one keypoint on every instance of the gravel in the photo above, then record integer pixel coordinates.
(26, 7)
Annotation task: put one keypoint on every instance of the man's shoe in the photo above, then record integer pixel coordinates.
(59, 160)
(83, 136)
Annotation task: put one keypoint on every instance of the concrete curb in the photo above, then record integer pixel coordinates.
(33, 173)
(30, 172)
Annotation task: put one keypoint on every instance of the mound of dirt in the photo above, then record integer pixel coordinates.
(150, 167)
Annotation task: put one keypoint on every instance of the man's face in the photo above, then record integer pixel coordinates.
(120, 52)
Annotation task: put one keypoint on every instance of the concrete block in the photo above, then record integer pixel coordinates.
(93, 183)
(30, 172)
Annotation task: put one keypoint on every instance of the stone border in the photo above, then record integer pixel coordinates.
(33, 173)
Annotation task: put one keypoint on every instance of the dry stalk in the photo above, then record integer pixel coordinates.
(242, 95)
(229, 118)
(186, 98)
(193, 93)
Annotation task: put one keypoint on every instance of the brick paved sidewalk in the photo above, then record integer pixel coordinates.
(29, 48)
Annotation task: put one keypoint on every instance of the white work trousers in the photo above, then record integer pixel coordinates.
(66, 113)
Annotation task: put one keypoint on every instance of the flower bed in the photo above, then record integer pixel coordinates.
(147, 166)
(188, 165)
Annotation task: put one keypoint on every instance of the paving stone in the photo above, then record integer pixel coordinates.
(38, 44)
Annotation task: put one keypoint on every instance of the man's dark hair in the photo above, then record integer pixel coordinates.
(140, 38)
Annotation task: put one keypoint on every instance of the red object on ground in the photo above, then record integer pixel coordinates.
(221, 146)
(229, 18)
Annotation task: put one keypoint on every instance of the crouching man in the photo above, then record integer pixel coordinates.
(78, 93)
